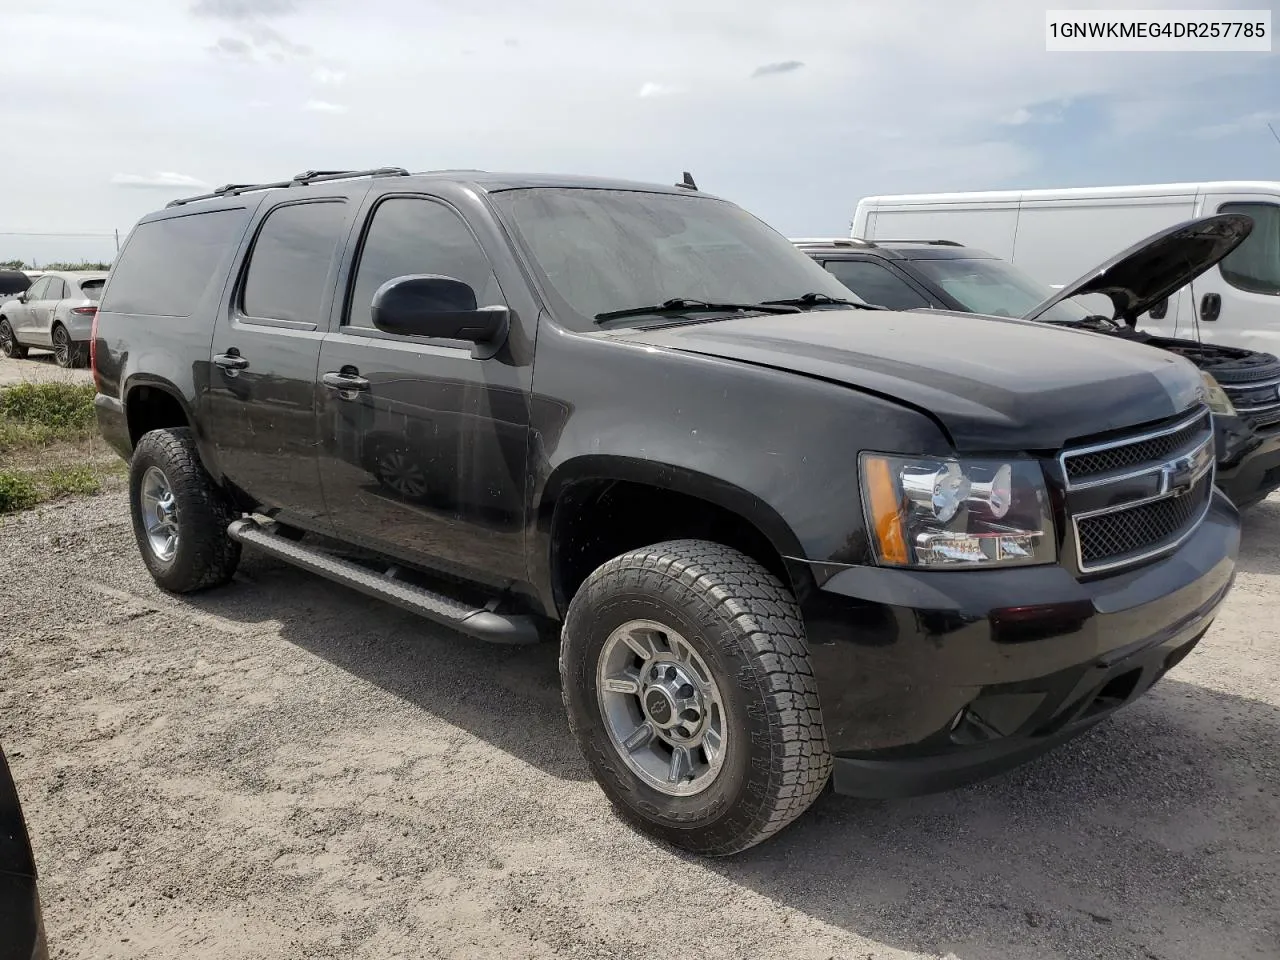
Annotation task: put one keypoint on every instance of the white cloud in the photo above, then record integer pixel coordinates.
(1250, 123)
(160, 180)
(651, 89)
(328, 77)
(654, 101)
(323, 106)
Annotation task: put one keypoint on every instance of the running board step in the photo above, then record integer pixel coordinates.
(477, 622)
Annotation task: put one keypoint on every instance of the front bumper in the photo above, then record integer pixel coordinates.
(1248, 467)
(931, 680)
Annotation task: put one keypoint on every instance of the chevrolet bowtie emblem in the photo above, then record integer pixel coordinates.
(1179, 476)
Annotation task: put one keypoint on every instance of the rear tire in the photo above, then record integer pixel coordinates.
(180, 517)
(730, 643)
(9, 345)
(64, 351)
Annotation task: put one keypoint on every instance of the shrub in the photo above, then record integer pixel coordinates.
(17, 492)
(57, 406)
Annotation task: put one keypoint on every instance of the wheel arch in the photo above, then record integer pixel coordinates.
(574, 527)
(155, 403)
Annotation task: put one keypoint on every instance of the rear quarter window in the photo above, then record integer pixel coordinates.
(168, 266)
(92, 289)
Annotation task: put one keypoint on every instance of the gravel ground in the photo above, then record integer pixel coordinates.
(282, 768)
(39, 368)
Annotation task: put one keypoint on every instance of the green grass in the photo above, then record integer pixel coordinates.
(34, 415)
(49, 446)
(17, 492)
(56, 406)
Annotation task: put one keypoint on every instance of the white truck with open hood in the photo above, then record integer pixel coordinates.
(1056, 235)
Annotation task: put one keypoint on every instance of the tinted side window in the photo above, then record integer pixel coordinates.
(876, 284)
(291, 259)
(168, 265)
(37, 290)
(57, 289)
(1255, 264)
(412, 235)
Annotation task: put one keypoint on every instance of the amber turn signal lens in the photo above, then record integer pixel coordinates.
(886, 517)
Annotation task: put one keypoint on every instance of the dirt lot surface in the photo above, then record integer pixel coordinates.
(39, 368)
(282, 768)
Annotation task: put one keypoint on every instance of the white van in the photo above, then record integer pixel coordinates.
(1058, 235)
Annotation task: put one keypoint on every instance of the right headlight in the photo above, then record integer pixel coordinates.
(1218, 400)
(958, 514)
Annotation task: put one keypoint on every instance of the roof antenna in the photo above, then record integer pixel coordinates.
(687, 182)
(1273, 131)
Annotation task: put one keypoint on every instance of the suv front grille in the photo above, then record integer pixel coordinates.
(1112, 537)
(1257, 402)
(1133, 498)
(1094, 462)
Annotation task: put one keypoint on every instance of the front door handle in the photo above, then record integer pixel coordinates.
(346, 380)
(231, 360)
(1210, 306)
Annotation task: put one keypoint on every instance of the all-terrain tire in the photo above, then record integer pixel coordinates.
(205, 556)
(746, 626)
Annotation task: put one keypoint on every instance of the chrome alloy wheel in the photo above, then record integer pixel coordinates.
(62, 346)
(661, 707)
(159, 513)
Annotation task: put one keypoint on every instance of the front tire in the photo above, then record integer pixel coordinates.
(687, 682)
(180, 517)
(10, 348)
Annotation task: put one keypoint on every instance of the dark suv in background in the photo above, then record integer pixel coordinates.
(942, 275)
(780, 536)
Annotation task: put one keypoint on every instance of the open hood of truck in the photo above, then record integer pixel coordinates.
(1138, 278)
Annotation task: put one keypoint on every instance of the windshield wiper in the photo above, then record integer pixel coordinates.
(681, 305)
(823, 300)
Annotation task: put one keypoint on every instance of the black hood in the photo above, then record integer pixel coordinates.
(1152, 269)
(992, 384)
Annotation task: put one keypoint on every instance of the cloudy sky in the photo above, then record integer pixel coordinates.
(794, 110)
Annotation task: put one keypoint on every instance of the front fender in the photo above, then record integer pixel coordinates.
(777, 448)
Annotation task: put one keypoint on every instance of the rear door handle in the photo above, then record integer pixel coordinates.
(231, 360)
(348, 379)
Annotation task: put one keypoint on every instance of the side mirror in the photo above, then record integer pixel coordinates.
(427, 305)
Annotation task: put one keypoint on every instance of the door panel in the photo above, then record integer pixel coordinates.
(260, 406)
(1244, 289)
(427, 461)
(19, 314)
(42, 312)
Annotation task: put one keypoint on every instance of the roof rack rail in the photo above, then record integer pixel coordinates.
(831, 242)
(935, 243)
(301, 180)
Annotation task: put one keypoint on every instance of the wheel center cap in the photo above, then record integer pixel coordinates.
(658, 704)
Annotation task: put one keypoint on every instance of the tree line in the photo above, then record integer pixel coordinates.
(62, 265)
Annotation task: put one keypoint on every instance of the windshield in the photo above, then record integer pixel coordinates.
(92, 289)
(599, 251)
(997, 288)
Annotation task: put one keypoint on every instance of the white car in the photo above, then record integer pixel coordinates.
(55, 313)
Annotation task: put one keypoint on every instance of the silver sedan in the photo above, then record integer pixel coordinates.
(55, 313)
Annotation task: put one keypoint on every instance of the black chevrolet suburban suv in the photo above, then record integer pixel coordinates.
(783, 538)
(1243, 385)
